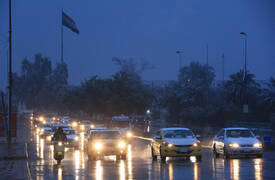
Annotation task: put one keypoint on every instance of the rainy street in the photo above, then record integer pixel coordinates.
(139, 165)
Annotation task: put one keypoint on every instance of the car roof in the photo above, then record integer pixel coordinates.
(106, 130)
(66, 129)
(174, 128)
(95, 129)
(236, 128)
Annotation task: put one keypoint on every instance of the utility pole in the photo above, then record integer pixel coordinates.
(62, 60)
(10, 75)
(245, 104)
(223, 69)
(207, 71)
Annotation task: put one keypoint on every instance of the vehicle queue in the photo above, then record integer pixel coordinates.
(167, 142)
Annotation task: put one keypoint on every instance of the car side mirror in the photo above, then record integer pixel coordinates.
(220, 138)
(157, 137)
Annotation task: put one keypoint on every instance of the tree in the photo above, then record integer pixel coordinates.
(269, 94)
(239, 88)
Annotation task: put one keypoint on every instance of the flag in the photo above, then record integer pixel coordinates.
(69, 23)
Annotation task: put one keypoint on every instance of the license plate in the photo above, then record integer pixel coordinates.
(247, 150)
(59, 153)
(183, 149)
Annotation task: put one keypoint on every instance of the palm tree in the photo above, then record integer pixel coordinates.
(239, 86)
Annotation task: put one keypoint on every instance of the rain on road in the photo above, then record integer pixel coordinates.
(139, 165)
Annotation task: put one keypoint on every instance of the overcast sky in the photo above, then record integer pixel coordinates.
(142, 29)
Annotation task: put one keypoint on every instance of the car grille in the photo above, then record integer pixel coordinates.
(187, 146)
(246, 145)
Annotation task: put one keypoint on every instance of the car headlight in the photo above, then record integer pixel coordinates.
(129, 134)
(74, 124)
(121, 144)
(82, 127)
(234, 145)
(92, 126)
(76, 138)
(41, 118)
(98, 145)
(196, 144)
(258, 145)
(170, 145)
(60, 143)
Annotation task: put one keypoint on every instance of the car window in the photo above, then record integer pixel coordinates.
(69, 132)
(220, 133)
(238, 133)
(177, 134)
(107, 135)
(158, 133)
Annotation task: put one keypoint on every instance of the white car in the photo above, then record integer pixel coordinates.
(236, 141)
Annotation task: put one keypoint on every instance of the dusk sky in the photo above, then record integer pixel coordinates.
(142, 29)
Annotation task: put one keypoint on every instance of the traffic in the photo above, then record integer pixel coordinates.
(123, 143)
(99, 140)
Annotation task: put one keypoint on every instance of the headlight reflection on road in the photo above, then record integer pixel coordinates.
(234, 169)
(77, 164)
(122, 170)
(129, 160)
(59, 175)
(99, 171)
(196, 171)
(258, 168)
(171, 173)
(42, 148)
(218, 168)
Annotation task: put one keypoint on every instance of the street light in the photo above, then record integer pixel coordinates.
(179, 53)
(245, 53)
(245, 105)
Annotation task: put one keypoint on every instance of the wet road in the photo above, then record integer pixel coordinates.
(139, 165)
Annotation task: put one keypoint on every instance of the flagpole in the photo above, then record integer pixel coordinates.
(62, 37)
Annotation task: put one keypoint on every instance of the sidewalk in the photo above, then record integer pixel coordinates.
(13, 158)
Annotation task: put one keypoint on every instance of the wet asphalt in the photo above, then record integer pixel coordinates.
(139, 165)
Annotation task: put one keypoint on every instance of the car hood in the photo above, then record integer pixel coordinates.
(181, 141)
(242, 140)
(72, 136)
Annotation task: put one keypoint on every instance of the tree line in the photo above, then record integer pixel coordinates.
(192, 98)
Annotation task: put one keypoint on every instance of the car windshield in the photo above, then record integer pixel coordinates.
(107, 135)
(69, 132)
(238, 133)
(177, 134)
(120, 124)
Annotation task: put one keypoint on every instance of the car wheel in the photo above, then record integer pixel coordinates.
(123, 156)
(162, 157)
(216, 154)
(226, 154)
(154, 157)
(259, 155)
(91, 157)
(58, 161)
(198, 158)
(118, 157)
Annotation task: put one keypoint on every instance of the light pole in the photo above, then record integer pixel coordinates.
(179, 53)
(10, 75)
(245, 105)
(245, 53)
